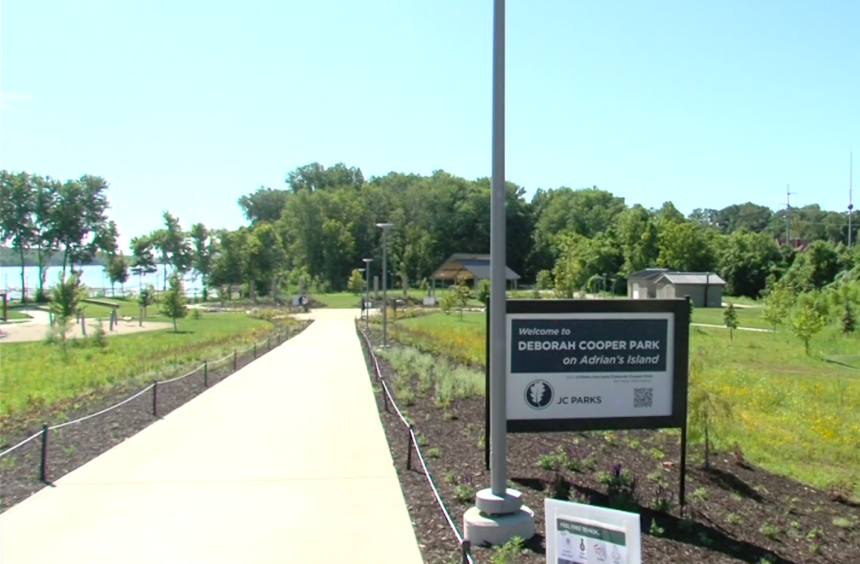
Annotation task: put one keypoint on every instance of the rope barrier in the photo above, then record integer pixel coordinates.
(464, 544)
(181, 377)
(25, 441)
(123, 402)
(84, 418)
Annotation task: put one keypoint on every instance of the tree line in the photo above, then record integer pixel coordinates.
(45, 217)
(322, 223)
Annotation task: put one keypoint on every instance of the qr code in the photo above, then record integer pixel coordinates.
(643, 397)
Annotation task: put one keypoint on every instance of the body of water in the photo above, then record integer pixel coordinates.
(94, 277)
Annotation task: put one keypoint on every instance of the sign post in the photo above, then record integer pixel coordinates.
(588, 365)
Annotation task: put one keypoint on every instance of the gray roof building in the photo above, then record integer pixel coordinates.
(694, 278)
(465, 266)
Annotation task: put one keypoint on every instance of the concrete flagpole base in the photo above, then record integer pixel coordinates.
(495, 520)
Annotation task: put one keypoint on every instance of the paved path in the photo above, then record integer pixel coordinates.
(36, 328)
(285, 461)
(756, 329)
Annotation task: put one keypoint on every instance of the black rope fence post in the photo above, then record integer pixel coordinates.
(234, 360)
(385, 397)
(205, 373)
(155, 398)
(465, 549)
(255, 351)
(43, 467)
(268, 343)
(409, 444)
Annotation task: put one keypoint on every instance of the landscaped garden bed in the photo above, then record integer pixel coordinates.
(72, 446)
(735, 512)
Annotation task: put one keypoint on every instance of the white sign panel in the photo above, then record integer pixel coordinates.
(584, 534)
(590, 365)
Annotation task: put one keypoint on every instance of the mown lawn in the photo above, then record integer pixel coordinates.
(15, 314)
(127, 308)
(793, 415)
(37, 374)
(747, 316)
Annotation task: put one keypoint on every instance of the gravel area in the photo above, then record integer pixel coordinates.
(736, 512)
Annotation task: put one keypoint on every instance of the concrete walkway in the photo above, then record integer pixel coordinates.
(285, 461)
(754, 329)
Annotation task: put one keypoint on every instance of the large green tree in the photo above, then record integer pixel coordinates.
(265, 204)
(204, 248)
(685, 246)
(746, 260)
(17, 209)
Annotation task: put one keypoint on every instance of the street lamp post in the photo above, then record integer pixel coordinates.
(499, 514)
(384, 227)
(367, 262)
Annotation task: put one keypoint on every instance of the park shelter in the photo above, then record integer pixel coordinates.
(641, 285)
(704, 288)
(468, 266)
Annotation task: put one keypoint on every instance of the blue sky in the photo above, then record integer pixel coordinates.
(188, 105)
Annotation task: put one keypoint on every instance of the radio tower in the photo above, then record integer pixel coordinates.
(788, 196)
(850, 203)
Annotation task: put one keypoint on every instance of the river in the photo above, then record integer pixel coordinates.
(94, 277)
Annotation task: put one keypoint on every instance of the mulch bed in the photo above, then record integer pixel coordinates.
(735, 512)
(75, 445)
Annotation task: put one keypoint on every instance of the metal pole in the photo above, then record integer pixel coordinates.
(384, 287)
(367, 295)
(498, 305)
(43, 467)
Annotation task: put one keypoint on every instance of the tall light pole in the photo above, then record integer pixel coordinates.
(499, 514)
(384, 227)
(498, 307)
(367, 262)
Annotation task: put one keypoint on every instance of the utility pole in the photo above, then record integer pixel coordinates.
(850, 202)
(788, 213)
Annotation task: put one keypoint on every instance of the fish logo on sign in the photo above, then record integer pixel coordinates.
(539, 394)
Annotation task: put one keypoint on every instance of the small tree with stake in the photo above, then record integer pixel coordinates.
(848, 321)
(65, 303)
(730, 318)
(806, 323)
(776, 305)
(146, 298)
(173, 304)
(117, 270)
(706, 408)
(461, 295)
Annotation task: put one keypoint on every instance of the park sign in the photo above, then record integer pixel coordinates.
(586, 534)
(578, 365)
(592, 365)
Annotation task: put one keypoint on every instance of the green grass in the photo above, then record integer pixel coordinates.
(339, 300)
(747, 317)
(127, 308)
(348, 300)
(794, 415)
(14, 314)
(36, 374)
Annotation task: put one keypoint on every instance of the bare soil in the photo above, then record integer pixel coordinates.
(735, 512)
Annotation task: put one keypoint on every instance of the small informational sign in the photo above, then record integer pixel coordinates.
(429, 301)
(585, 534)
